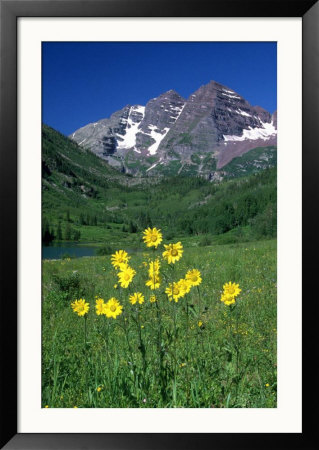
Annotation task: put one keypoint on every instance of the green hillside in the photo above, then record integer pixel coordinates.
(200, 163)
(254, 161)
(85, 199)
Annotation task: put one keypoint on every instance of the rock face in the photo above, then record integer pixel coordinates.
(213, 122)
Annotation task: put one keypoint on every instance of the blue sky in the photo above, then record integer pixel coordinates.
(83, 82)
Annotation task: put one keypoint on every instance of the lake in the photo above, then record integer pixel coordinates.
(72, 250)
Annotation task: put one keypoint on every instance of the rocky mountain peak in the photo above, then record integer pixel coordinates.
(274, 119)
(214, 120)
(172, 94)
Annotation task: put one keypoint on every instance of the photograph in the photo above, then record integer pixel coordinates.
(156, 250)
(159, 224)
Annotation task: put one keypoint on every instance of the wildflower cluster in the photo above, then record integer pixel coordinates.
(179, 289)
(154, 280)
(126, 274)
(230, 292)
(148, 321)
(174, 290)
(111, 308)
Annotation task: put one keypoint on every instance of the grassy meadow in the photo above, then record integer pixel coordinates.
(197, 352)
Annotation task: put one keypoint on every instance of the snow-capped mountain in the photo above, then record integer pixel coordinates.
(214, 121)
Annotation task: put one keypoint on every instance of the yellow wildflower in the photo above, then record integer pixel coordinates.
(123, 266)
(153, 272)
(126, 276)
(99, 306)
(194, 277)
(154, 268)
(137, 297)
(175, 291)
(173, 252)
(152, 298)
(119, 257)
(185, 285)
(228, 299)
(231, 289)
(154, 282)
(80, 307)
(113, 308)
(152, 237)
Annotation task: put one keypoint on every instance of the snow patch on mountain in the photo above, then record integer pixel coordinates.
(265, 132)
(243, 113)
(230, 96)
(132, 128)
(179, 111)
(239, 111)
(157, 136)
(139, 109)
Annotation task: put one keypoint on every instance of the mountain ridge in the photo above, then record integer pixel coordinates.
(170, 130)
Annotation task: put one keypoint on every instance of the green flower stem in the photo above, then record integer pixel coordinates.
(141, 347)
(199, 302)
(107, 344)
(124, 327)
(85, 329)
(199, 317)
(237, 343)
(175, 356)
(175, 337)
(159, 336)
(230, 323)
(234, 340)
(87, 358)
(187, 354)
(161, 350)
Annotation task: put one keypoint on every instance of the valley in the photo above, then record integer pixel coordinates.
(86, 200)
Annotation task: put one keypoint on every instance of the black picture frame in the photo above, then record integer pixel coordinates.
(10, 11)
